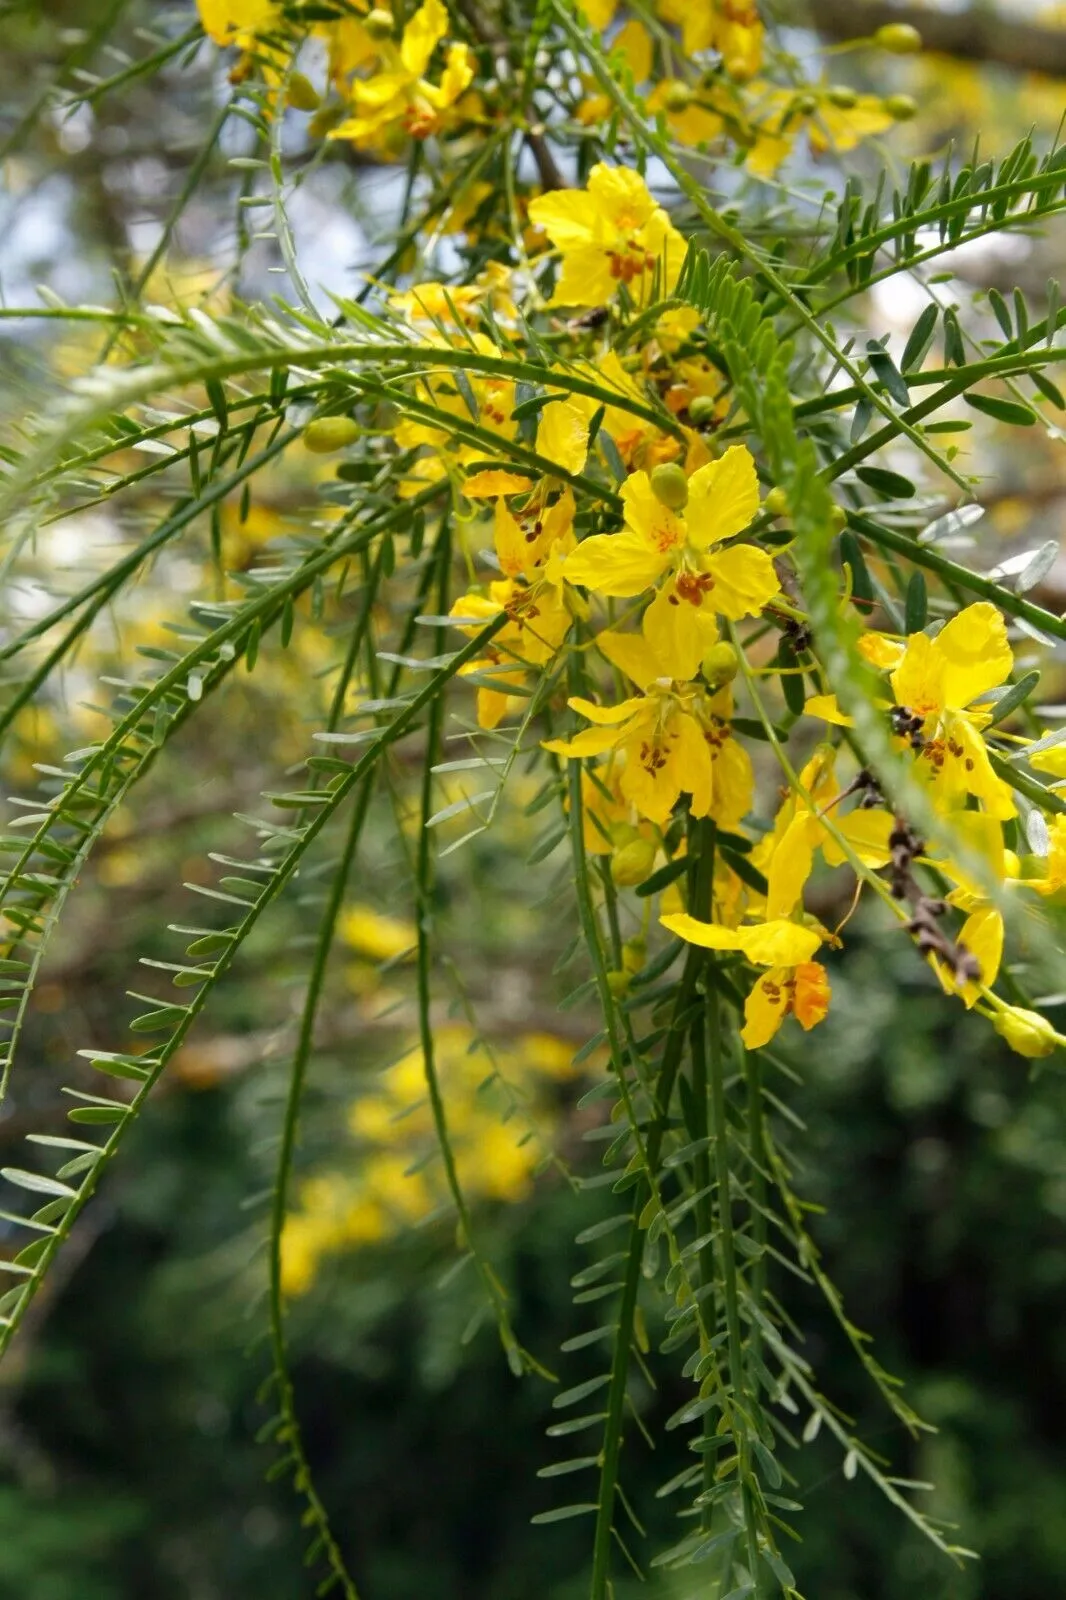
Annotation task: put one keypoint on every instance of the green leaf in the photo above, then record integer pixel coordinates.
(885, 369)
(37, 1182)
(917, 603)
(893, 485)
(921, 338)
(1011, 411)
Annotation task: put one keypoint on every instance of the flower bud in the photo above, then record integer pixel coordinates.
(670, 486)
(678, 97)
(806, 104)
(776, 503)
(901, 107)
(720, 664)
(899, 38)
(634, 954)
(633, 862)
(702, 408)
(1027, 1032)
(326, 434)
(380, 23)
(837, 518)
(301, 93)
(842, 96)
(618, 983)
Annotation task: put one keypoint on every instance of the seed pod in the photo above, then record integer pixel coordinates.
(899, 38)
(670, 486)
(633, 862)
(323, 435)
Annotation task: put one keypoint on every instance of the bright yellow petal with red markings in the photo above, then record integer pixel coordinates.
(734, 783)
(511, 546)
(646, 516)
(744, 580)
(723, 497)
(765, 1008)
(679, 633)
(621, 196)
(563, 435)
(692, 764)
(918, 680)
(974, 653)
(631, 654)
(619, 564)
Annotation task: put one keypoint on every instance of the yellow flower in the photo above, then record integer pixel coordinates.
(238, 21)
(611, 233)
(938, 680)
(1027, 1032)
(675, 739)
(787, 854)
(794, 986)
(657, 543)
(374, 935)
(539, 622)
(780, 114)
(400, 97)
(730, 27)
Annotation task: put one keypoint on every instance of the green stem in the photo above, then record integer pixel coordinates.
(727, 1247)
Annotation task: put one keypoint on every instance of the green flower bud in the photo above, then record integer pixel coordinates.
(301, 93)
(678, 97)
(633, 862)
(721, 664)
(901, 107)
(670, 486)
(703, 408)
(618, 983)
(899, 38)
(326, 434)
(806, 104)
(1027, 1032)
(837, 518)
(380, 23)
(634, 955)
(776, 503)
(841, 96)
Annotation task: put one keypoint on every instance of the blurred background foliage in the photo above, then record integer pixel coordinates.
(130, 1406)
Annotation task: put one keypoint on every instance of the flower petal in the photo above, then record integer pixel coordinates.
(723, 497)
(614, 564)
(744, 580)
